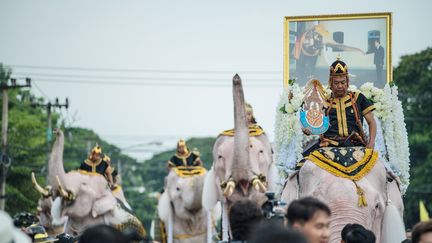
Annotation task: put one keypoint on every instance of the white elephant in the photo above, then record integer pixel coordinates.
(243, 166)
(84, 198)
(180, 208)
(346, 199)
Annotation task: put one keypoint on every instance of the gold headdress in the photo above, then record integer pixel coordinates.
(248, 107)
(96, 149)
(182, 143)
(338, 68)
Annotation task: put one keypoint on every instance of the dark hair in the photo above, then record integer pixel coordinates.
(276, 233)
(302, 210)
(244, 215)
(360, 235)
(348, 228)
(102, 234)
(420, 229)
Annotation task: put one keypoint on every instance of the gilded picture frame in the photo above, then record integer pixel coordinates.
(362, 41)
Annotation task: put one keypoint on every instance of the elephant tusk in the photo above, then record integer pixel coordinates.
(66, 194)
(229, 189)
(258, 185)
(45, 192)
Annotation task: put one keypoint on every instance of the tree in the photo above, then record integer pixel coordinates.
(413, 76)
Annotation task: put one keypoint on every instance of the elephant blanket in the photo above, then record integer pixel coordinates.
(352, 163)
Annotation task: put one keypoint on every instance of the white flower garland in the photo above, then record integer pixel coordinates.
(391, 139)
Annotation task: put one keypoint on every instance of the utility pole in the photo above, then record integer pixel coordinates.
(49, 106)
(5, 159)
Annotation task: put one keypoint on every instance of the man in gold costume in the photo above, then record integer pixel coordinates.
(184, 157)
(96, 164)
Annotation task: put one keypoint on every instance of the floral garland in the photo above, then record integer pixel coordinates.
(391, 131)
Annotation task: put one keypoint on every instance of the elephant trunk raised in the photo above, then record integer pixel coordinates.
(240, 167)
(55, 162)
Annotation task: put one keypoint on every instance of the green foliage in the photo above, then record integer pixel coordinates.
(414, 79)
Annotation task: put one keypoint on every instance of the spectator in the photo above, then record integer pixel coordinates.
(355, 233)
(102, 234)
(8, 233)
(276, 233)
(347, 228)
(310, 217)
(422, 232)
(244, 215)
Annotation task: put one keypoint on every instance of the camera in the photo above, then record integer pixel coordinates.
(273, 208)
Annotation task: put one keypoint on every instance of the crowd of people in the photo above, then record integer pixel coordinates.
(307, 221)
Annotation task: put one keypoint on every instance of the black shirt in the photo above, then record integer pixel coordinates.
(342, 117)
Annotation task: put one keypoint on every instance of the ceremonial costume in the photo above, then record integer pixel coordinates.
(346, 117)
(187, 158)
(99, 166)
(342, 150)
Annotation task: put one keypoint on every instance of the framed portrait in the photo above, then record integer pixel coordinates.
(362, 41)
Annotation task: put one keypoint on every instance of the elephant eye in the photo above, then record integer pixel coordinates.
(178, 188)
(261, 151)
(220, 157)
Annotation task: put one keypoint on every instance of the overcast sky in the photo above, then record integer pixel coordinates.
(206, 41)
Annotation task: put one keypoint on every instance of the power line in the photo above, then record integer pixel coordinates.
(122, 83)
(41, 91)
(137, 70)
(137, 78)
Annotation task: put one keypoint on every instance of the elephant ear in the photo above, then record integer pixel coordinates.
(210, 191)
(164, 207)
(103, 204)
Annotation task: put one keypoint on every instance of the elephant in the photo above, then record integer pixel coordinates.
(180, 205)
(379, 188)
(243, 166)
(85, 199)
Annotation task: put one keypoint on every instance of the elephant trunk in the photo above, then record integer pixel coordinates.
(55, 162)
(240, 166)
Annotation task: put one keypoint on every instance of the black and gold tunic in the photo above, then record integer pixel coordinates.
(94, 167)
(342, 116)
(190, 159)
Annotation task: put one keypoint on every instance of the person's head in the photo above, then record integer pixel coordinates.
(276, 233)
(339, 80)
(377, 43)
(102, 234)
(311, 217)
(348, 228)
(355, 233)
(249, 114)
(182, 147)
(95, 153)
(422, 232)
(243, 216)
